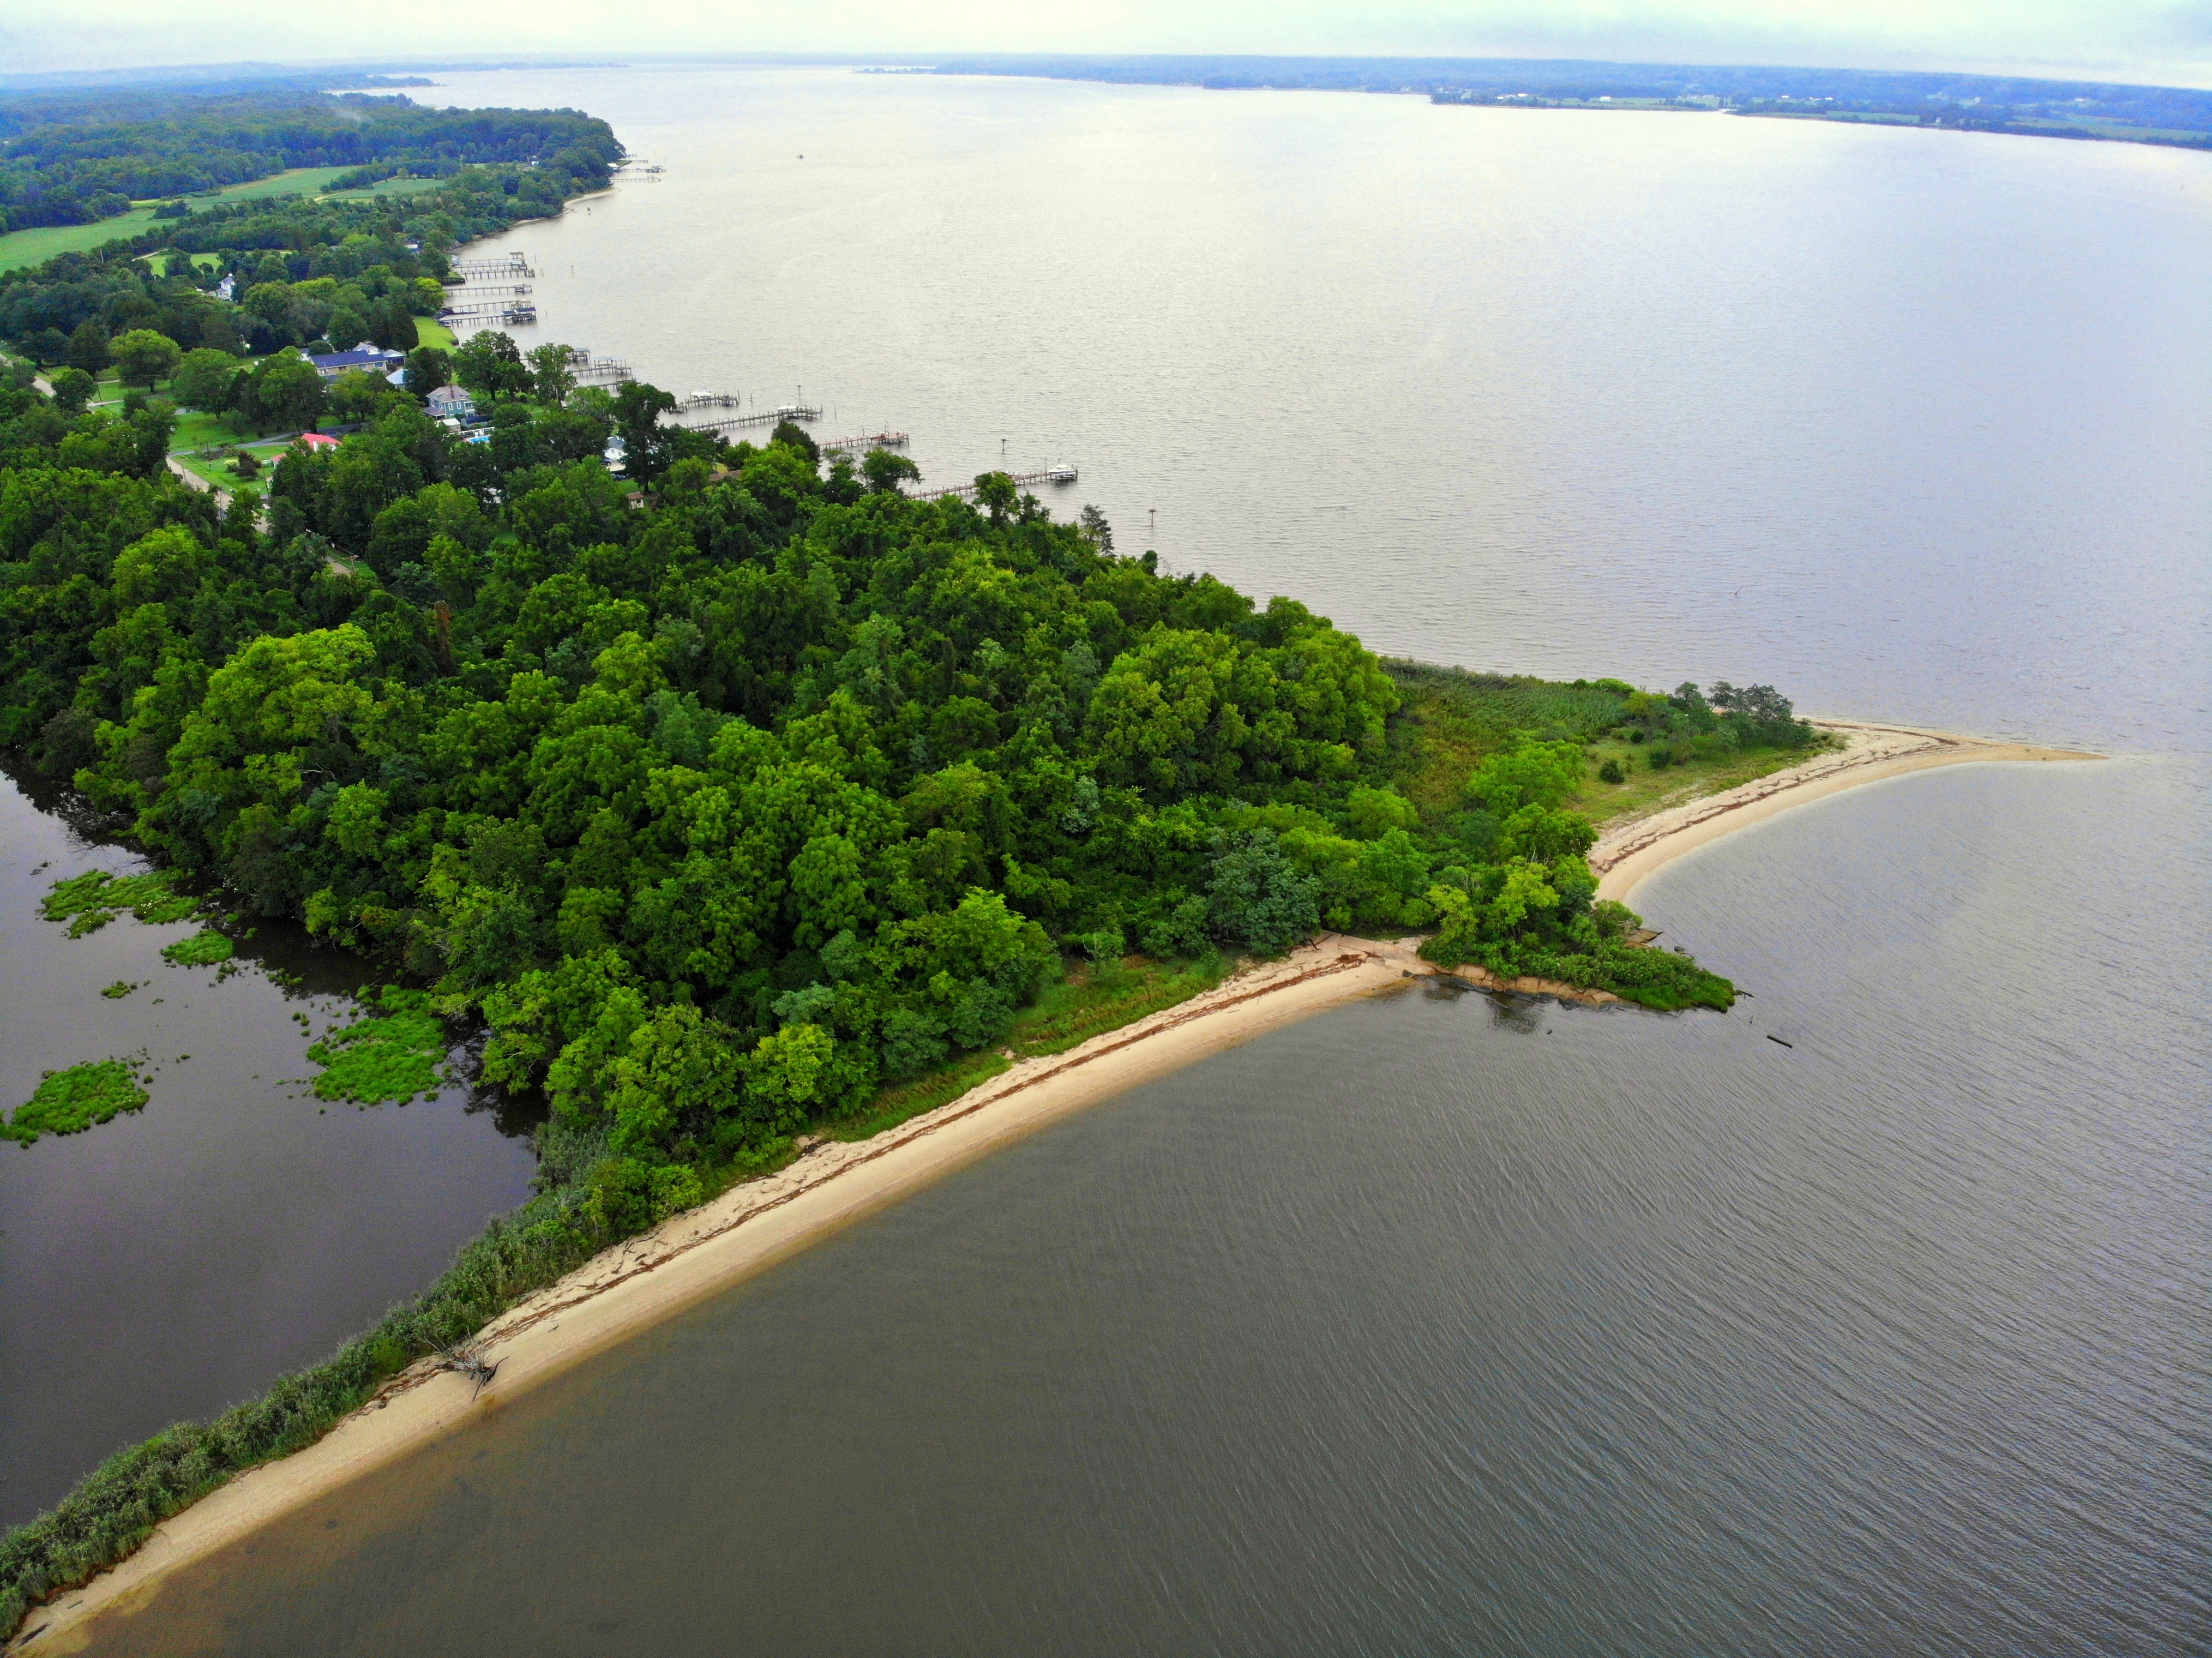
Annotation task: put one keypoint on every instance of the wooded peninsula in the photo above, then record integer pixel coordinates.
(739, 797)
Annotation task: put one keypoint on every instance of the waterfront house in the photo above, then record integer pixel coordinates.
(451, 403)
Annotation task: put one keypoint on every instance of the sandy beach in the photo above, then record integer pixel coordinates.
(754, 1226)
(1627, 852)
(706, 1250)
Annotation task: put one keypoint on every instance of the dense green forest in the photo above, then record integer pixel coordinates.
(737, 796)
(728, 803)
(68, 159)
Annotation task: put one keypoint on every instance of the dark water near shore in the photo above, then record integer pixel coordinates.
(1440, 1324)
(172, 1262)
(1459, 1325)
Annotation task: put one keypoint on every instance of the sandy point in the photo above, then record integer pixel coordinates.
(1630, 851)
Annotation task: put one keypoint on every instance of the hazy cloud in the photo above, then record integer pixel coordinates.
(2135, 39)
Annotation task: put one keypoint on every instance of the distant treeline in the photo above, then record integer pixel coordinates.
(300, 270)
(2060, 108)
(74, 158)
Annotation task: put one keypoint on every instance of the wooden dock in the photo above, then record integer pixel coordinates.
(771, 418)
(864, 441)
(508, 314)
(502, 264)
(1022, 480)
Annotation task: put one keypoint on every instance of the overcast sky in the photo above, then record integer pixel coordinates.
(2168, 41)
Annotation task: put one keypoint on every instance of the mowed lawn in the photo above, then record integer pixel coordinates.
(19, 248)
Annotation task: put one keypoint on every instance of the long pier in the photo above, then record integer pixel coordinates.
(503, 264)
(512, 313)
(471, 291)
(770, 418)
(866, 441)
(967, 491)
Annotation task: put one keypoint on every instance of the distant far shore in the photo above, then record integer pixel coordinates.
(755, 1226)
(1629, 852)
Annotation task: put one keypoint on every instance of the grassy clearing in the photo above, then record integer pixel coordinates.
(1646, 791)
(19, 248)
(69, 1101)
(429, 330)
(159, 263)
(384, 187)
(197, 429)
(1451, 720)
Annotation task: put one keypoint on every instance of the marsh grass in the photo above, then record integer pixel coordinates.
(392, 1054)
(203, 949)
(89, 902)
(69, 1101)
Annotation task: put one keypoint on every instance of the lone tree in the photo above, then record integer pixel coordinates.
(553, 367)
(288, 391)
(884, 471)
(490, 366)
(143, 356)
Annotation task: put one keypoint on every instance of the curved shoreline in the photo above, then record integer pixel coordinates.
(834, 1184)
(705, 1251)
(1625, 855)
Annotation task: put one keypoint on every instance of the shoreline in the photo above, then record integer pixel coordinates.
(703, 1251)
(1625, 856)
(759, 1224)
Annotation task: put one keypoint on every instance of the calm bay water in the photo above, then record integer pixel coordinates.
(170, 1263)
(1440, 1326)
(1464, 1325)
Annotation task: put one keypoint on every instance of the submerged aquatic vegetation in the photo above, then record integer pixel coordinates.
(390, 1055)
(203, 949)
(69, 1101)
(89, 902)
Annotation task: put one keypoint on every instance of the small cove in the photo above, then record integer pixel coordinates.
(174, 1260)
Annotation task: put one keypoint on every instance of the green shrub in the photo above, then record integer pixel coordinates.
(1610, 772)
